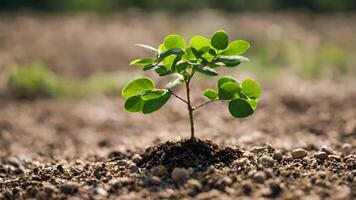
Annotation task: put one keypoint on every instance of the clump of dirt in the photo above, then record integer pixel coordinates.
(188, 153)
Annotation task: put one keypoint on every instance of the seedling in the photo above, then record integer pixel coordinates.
(202, 55)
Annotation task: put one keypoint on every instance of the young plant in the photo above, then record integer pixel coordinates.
(202, 55)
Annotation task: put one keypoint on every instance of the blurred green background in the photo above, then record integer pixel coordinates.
(177, 6)
(81, 48)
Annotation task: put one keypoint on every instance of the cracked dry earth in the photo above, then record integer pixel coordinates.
(301, 144)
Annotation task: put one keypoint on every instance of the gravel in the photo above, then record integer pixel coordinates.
(179, 174)
(266, 161)
(299, 153)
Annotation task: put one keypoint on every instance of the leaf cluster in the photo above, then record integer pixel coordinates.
(200, 55)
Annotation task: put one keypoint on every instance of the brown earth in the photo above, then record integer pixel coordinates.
(93, 149)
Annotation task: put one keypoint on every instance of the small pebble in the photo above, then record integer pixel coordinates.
(123, 163)
(241, 162)
(320, 155)
(270, 148)
(155, 180)
(299, 153)
(266, 161)
(335, 157)
(136, 158)
(259, 177)
(101, 191)
(195, 184)
(277, 155)
(133, 168)
(328, 150)
(69, 188)
(158, 170)
(258, 149)
(179, 174)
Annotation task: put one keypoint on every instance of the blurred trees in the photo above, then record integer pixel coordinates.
(178, 6)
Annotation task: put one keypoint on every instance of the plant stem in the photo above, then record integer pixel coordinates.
(190, 109)
(178, 97)
(203, 104)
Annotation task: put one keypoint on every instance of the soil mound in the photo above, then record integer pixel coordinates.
(194, 153)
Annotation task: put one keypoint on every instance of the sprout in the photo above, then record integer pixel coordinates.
(202, 55)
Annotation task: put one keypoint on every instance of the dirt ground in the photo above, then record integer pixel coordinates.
(300, 144)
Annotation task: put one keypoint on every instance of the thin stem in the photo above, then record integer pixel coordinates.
(190, 109)
(203, 104)
(180, 98)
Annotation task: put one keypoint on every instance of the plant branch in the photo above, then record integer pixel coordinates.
(203, 104)
(190, 110)
(178, 97)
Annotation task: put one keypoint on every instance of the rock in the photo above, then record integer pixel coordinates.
(194, 184)
(299, 153)
(335, 157)
(270, 148)
(136, 158)
(179, 174)
(247, 189)
(69, 188)
(313, 163)
(277, 155)
(45, 176)
(158, 170)
(321, 155)
(101, 191)
(155, 180)
(226, 180)
(133, 168)
(258, 149)
(328, 150)
(346, 149)
(241, 162)
(272, 191)
(259, 177)
(266, 161)
(123, 163)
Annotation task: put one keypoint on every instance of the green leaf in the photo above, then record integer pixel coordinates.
(171, 61)
(236, 48)
(148, 67)
(190, 54)
(155, 104)
(253, 103)
(162, 48)
(206, 70)
(137, 86)
(226, 79)
(174, 41)
(134, 104)
(143, 61)
(162, 71)
(210, 94)
(208, 57)
(147, 47)
(220, 40)
(229, 90)
(164, 54)
(199, 42)
(240, 108)
(153, 94)
(175, 82)
(251, 89)
(232, 61)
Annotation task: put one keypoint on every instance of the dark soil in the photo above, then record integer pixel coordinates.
(300, 144)
(188, 153)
